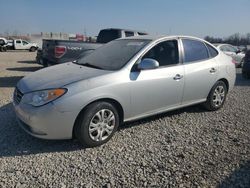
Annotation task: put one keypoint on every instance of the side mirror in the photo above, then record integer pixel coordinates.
(238, 51)
(147, 64)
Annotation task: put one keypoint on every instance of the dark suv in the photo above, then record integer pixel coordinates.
(246, 66)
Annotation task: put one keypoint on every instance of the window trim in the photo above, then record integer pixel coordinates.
(133, 69)
(197, 61)
(210, 56)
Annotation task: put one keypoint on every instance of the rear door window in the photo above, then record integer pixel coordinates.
(129, 33)
(140, 33)
(194, 50)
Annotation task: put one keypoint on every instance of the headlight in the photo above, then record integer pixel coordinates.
(39, 98)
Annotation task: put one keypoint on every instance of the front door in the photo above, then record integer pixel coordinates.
(18, 45)
(161, 88)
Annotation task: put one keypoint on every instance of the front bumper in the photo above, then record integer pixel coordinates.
(46, 122)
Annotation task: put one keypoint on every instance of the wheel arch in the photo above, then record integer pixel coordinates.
(33, 47)
(109, 100)
(225, 81)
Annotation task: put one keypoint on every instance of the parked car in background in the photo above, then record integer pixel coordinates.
(246, 66)
(242, 48)
(3, 44)
(61, 51)
(232, 51)
(126, 79)
(19, 44)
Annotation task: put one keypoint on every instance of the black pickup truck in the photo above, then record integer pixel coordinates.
(61, 51)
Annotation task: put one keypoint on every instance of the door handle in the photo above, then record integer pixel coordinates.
(212, 70)
(178, 77)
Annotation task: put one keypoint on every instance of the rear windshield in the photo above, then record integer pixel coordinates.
(106, 36)
(114, 55)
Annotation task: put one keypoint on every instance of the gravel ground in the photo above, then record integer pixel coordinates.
(185, 148)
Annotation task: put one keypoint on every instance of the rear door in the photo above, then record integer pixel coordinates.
(201, 70)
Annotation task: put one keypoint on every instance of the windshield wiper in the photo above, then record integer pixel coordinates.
(92, 66)
(87, 65)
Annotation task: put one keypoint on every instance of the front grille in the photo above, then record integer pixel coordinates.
(17, 96)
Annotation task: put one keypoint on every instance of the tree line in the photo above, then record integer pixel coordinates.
(235, 39)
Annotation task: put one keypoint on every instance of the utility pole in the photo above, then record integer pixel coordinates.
(85, 32)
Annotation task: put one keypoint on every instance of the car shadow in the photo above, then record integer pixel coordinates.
(240, 81)
(9, 81)
(238, 178)
(191, 109)
(14, 141)
(27, 62)
(25, 69)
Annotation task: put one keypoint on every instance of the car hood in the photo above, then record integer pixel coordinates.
(57, 76)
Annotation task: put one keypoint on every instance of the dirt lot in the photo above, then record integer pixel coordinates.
(185, 148)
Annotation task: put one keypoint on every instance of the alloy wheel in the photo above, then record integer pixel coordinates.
(219, 96)
(102, 125)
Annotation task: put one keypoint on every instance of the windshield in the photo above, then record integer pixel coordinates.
(114, 55)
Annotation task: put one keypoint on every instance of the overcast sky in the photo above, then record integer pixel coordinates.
(219, 18)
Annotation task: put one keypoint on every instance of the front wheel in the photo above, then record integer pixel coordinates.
(97, 124)
(33, 49)
(216, 96)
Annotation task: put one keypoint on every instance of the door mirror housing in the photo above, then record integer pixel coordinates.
(238, 51)
(147, 64)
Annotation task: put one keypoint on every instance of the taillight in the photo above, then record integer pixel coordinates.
(60, 51)
(233, 61)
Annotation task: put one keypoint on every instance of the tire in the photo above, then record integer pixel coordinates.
(92, 129)
(216, 97)
(32, 49)
(45, 63)
(2, 42)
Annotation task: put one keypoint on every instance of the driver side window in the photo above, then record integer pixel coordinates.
(24, 42)
(166, 53)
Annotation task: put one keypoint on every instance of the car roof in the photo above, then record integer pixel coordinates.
(160, 37)
(121, 29)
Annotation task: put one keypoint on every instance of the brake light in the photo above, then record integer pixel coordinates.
(233, 61)
(60, 51)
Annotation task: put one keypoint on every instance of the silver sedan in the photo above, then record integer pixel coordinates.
(124, 80)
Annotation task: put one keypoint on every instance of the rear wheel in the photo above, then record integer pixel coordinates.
(216, 97)
(97, 124)
(2, 49)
